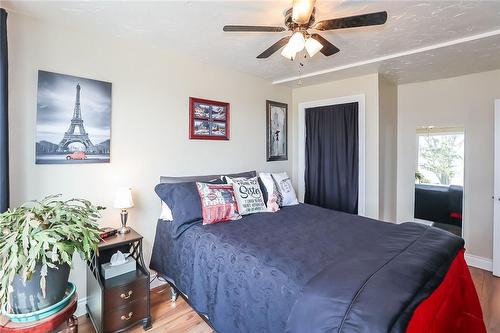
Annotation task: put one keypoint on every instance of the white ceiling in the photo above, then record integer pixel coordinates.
(421, 40)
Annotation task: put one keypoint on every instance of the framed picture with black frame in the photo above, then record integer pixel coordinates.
(276, 131)
(208, 120)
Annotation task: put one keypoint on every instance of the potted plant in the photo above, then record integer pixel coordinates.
(37, 243)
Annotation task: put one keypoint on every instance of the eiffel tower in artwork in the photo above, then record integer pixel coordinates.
(76, 131)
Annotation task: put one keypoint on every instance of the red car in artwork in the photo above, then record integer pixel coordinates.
(77, 155)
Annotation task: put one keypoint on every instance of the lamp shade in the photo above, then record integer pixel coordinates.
(123, 198)
(313, 46)
(288, 53)
(296, 42)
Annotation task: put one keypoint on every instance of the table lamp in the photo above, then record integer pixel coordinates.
(123, 200)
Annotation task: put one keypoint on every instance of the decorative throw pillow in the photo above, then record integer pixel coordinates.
(248, 195)
(284, 184)
(277, 193)
(218, 203)
(273, 195)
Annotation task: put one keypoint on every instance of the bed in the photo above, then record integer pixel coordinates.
(309, 269)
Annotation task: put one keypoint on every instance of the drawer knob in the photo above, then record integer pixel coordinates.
(127, 317)
(123, 296)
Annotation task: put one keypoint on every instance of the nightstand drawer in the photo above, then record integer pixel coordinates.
(121, 295)
(125, 316)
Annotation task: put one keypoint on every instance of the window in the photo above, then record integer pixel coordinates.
(440, 159)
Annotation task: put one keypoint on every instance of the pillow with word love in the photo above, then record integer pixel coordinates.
(248, 195)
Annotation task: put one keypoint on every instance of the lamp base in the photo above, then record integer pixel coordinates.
(123, 230)
(124, 217)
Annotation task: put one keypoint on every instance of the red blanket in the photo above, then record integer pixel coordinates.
(452, 307)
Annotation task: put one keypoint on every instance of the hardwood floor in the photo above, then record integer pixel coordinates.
(179, 317)
(488, 290)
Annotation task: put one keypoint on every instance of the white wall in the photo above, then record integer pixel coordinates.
(151, 88)
(150, 127)
(363, 85)
(388, 116)
(466, 101)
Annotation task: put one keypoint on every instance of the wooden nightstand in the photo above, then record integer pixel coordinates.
(121, 302)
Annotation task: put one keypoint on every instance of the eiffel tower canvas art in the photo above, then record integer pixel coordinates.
(73, 119)
(76, 131)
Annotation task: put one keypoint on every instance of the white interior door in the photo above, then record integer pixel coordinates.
(496, 197)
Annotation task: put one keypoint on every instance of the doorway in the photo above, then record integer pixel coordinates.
(439, 177)
(302, 107)
(331, 174)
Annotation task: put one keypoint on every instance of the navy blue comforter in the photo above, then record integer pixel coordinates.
(305, 269)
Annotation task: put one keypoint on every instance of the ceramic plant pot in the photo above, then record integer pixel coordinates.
(27, 297)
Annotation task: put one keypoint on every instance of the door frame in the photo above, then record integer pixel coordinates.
(496, 192)
(360, 99)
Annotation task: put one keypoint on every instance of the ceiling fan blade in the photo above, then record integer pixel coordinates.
(275, 47)
(302, 10)
(352, 21)
(252, 28)
(328, 48)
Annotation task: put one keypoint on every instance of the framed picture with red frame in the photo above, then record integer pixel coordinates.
(208, 120)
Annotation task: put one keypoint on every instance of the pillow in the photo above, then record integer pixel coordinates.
(273, 196)
(166, 212)
(272, 203)
(184, 202)
(285, 188)
(218, 203)
(265, 196)
(248, 195)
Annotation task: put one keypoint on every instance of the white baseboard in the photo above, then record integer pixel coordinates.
(429, 223)
(81, 309)
(479, 262)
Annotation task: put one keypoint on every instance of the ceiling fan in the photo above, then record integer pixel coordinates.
(299, 19)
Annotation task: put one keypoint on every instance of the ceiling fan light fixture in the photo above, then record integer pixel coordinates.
(297, 41)
(312, 46)
(288, 52)
(298, 20)
(302, 10)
